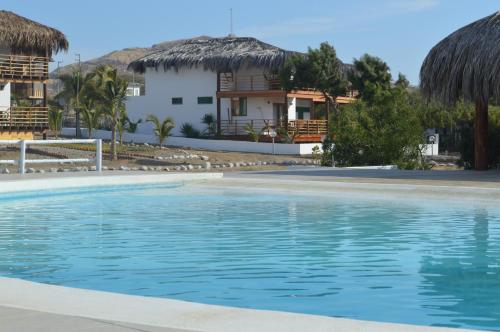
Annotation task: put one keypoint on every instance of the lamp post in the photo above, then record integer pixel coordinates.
(272, 133)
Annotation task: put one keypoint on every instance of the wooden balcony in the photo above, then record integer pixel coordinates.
(23, 68)
(301, 130)
(24, 118)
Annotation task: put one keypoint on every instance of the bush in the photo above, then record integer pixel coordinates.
(386, 131)
(188, 130)
(211, 122)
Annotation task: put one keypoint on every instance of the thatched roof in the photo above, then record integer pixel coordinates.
(22, 34)
(466, 64)
(217, 54)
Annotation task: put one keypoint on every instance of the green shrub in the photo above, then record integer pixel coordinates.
(386, 131)
(188, 130)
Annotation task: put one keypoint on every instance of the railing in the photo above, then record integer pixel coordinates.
(24, 67)
(22, 161)
(35, 117)
(238, 127)
(308, 127)
(230, 82)
(299, 127)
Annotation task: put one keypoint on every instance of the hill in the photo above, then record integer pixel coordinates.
(118, 59)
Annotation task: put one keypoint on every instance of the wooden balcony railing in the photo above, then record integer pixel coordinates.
(248, 83)
(308, 127)
(23, 67)
(26, 118)
(295, 127)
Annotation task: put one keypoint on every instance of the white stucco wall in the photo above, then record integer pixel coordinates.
(4, 96)
(162, 86)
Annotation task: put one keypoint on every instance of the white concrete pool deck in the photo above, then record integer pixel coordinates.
(28, 306)
(85, 310)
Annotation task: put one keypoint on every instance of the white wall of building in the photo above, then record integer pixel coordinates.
(4, 96)
(163, 86)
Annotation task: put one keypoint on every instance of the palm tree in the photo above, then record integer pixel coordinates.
(132, 126)
(112, 91)
(122, 125)
(161, 129)
(74, 86)
(55, 120)
(209, 120)
(91, 114)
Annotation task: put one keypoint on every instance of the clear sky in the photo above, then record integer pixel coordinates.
(401, 32)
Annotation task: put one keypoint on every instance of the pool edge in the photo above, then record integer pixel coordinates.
(175, 314)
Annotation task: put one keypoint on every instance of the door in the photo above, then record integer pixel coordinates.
(303, 113)
(278, 114)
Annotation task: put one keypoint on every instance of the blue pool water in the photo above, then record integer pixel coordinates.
(426, 262)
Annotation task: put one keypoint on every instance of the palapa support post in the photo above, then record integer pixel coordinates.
(219, 131)
(481, 136)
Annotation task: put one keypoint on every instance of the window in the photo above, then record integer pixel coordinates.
(205, 100)
(177, 101)
(239, 106)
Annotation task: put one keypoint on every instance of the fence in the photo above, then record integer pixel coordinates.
(22, 161)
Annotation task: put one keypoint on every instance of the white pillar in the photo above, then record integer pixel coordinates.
(22, 156)
(98, 155)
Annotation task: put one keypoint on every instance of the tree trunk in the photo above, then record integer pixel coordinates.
(113, 134)
(481, 137)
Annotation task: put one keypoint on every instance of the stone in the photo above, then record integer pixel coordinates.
(93, 168)
(53, 170)
(205, 158)
(198, 167)
(105, 168)
(237, 165)
(124, 168)
(190, 167)
(30, 170)
(5, 171)
(159, 158)
(85, 169)
(231, 165)
(166, 169)
(41, 171)
(184, 168)
(207, 165)
(143, 168)
(177, 168)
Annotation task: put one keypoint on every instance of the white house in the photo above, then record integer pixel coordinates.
(233, 78)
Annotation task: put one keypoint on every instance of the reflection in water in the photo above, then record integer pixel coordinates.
(466, 280)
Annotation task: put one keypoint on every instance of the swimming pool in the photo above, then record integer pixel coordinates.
(419, 262)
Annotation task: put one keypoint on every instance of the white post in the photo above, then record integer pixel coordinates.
(98, 155)
(274, 151)
(22, 156)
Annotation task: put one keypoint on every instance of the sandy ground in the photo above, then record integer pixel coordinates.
(135, 156)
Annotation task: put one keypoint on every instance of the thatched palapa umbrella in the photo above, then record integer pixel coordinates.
(29, 37)
(466, 65)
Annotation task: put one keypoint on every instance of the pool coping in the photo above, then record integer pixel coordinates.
(175, 314)
(68, 182)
